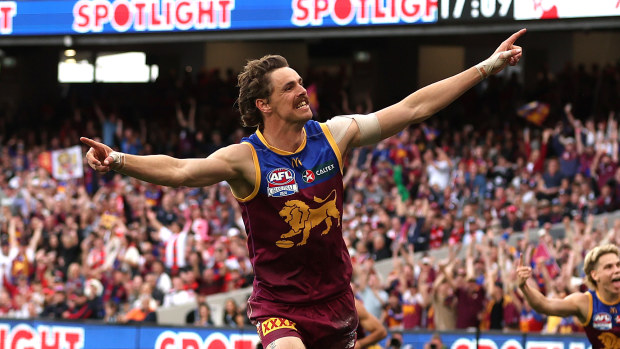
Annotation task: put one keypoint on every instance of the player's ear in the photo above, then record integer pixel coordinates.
(263, 105)
(594, 276)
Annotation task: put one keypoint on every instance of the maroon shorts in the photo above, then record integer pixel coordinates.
(331, 324)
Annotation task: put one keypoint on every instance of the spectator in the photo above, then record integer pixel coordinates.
(178, 294)
(141, 311)
(175, 239)
(232, 316)
(203, 317)
(435, 342)
(80, 307)
(112, 315)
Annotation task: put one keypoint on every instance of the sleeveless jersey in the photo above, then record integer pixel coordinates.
(293, 220)
(603, 325)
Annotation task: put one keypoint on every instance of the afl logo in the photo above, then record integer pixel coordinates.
(281, 182)
(602, 321)
(281, 176)
(308, 176)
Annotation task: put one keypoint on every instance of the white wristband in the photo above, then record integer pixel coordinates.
(492, 64)
(118, 160)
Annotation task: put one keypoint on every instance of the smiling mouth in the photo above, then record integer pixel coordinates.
(301, 104)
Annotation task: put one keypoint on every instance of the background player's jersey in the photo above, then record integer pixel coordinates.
(293, 220)
(603, 325)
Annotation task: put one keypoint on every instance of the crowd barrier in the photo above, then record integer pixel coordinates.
(35, 334)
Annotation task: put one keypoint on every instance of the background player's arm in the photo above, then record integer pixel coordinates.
(576, 304)
(226, 164)
(374, 329)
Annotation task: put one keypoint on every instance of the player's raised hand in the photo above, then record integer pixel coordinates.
(523, 272)
(506, 53)
(98, 156)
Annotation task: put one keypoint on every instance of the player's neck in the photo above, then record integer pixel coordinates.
(607, 296)
(287, 138)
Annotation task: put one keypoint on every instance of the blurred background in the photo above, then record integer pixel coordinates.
(435, 217)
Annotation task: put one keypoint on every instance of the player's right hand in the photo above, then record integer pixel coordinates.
(98, 156)
(523, 273)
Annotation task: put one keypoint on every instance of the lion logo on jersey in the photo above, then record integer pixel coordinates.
(303, 219)
(609, 340)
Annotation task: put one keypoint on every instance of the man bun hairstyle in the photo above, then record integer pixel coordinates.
(254, 83)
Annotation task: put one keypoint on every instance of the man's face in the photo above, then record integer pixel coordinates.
(288, 98)
(607, 272)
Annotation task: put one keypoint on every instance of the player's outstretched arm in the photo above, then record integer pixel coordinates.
(427, 101)
(226, 164)
(576, 304)
(373, 327)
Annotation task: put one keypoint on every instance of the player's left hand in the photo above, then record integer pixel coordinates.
(506, 53)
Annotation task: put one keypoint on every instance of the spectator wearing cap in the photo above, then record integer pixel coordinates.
(511, 220)
(175, 239)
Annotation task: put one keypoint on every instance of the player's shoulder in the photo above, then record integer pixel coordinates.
(579, 296)
(235, 150)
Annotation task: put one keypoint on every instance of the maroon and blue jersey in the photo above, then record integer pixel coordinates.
(603, 324)
(293, 220)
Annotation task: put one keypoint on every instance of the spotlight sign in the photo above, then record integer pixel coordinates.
(67, 17)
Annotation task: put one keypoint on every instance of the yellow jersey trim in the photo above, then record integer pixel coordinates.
(256, 179)
(590, 306)
(606, 303)
(332, 142)
(280, 151)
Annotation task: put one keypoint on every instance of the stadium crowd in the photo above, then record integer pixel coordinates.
(112, 248)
